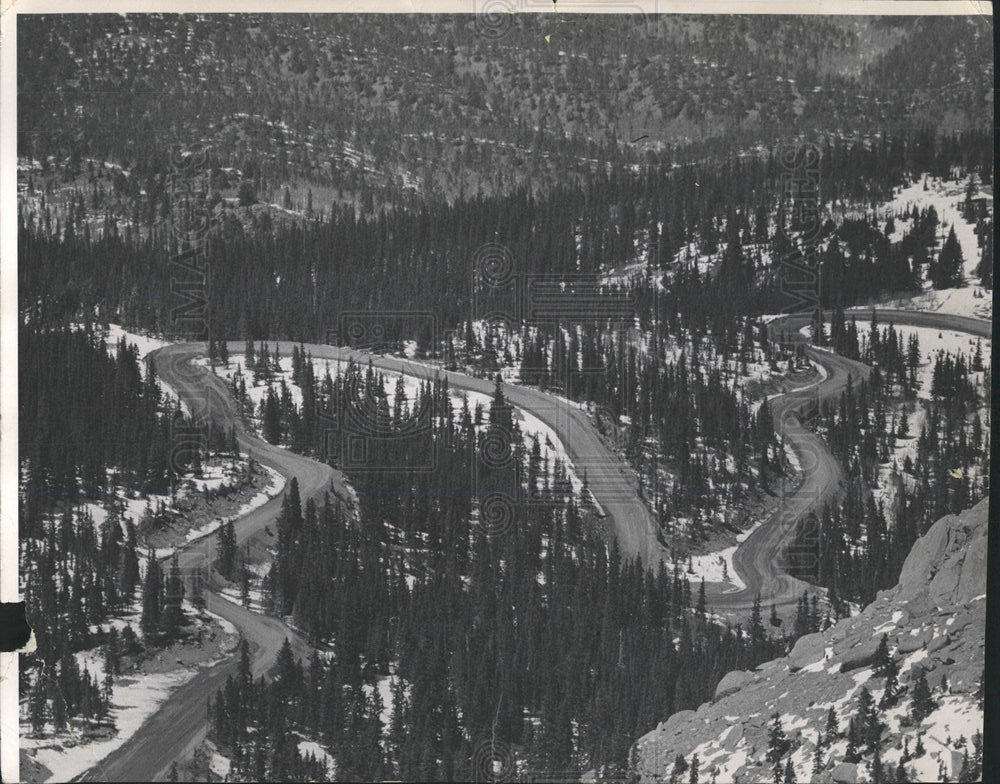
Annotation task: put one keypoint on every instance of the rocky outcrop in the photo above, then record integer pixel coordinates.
(934, 621)
(809, 649)
(732, 682)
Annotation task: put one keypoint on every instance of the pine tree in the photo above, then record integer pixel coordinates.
(922, 702)
(151, 598)
(173, 775)
(227, 549)
(882, 657)
(173, 612)
(831, 731)
(680, 767)
(757, 633)
(985, 268)
(130, 562)
(818, 763)
(789, 771)
(852, 754)
(777, 742)
(38, 707)
(271, 417)
(693, 775)
(890, 672)
(946, 271)
(245, 586)
(869, 722)
(878, 768)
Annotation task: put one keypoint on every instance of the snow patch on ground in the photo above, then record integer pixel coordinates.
(946, 196)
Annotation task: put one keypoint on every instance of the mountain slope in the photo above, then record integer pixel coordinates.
(934, 621)
(387, 106)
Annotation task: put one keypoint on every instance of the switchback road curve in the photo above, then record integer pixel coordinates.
(180, 724)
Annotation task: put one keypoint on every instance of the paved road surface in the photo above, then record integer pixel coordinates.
(175, 730)
(920, 318)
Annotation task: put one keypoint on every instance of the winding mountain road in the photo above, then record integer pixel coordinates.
(179, 725)
(172, 733)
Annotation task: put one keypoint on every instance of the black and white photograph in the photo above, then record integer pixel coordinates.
(497, 391)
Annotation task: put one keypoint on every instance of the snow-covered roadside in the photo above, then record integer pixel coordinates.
(932, 342)
(134, 699)
(133, 703)
(530, 425)
(718, 567)
(946, 196)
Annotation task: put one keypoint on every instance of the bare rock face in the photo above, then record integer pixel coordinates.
(952, 557)
(808, 649)
(860, 656)
(909, 643)
(934, 621)
(844, 773)
(732, 682)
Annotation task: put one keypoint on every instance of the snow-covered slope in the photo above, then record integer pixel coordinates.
(934, 621)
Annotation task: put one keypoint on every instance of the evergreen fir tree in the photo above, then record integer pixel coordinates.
(778, 743)
(878, 768)
(922, 703)
(173, 612)
(151, 598)
(831, 731)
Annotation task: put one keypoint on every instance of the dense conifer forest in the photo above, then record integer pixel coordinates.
(483, 636)
(92, 421)
(862, 544)
(363, 165)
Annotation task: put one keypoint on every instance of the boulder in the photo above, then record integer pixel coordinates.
(914, 642)
(861, 656)
(846, 643)
(679, 721)
(845, 773)
(732, 737)
(948, 563)
(938, 643)
(809, 649)
(964, 679)
(732, 682)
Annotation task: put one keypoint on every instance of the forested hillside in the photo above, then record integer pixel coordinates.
(95, 430)
(729, 216)
(359, 179)
(446, 639)
(386, 109)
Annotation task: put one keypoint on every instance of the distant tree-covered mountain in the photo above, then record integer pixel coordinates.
(383, 108)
